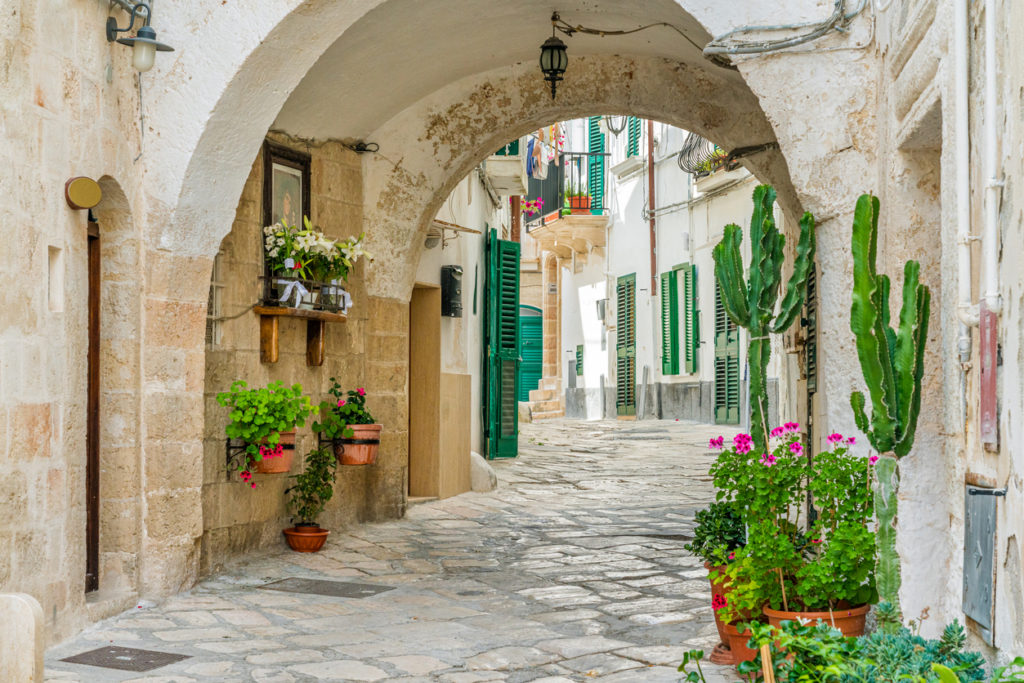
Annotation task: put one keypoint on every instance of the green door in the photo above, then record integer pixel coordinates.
(531, 338)
(625, 345)
(501, 326)
(727, 365)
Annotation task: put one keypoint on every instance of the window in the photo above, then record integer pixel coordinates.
(669, 325)
(579, 360)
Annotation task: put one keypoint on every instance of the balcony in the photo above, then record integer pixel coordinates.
(506, 170)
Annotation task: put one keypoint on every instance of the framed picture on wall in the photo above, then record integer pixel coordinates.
(285, 185)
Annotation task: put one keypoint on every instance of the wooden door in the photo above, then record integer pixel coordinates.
(92, 422)
(625, 346)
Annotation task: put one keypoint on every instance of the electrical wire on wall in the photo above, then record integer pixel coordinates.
(733, 42)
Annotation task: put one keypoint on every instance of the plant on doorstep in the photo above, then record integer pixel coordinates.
(892, 363)
(345, 421)
(719, 532)
(264, 420)
(312, 490)
(750, 300)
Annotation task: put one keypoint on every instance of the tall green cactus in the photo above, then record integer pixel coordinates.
(750, 302)
(892, 362)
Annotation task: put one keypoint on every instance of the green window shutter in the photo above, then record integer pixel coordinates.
(669, 325)
(511, 149)
(690, 316)
(579, 360)
(625, 345)
(727, 365)
(502, 347)
(595, 164)
(633, 139)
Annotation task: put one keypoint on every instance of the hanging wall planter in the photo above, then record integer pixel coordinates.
(278, 464)
(361, 448)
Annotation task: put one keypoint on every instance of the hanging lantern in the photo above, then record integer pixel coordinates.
(553, 61)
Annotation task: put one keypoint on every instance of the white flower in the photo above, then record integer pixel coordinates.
(273, 252)
(280, 241)
(269, 230)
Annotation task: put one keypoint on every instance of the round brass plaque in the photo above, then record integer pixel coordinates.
(82, 193)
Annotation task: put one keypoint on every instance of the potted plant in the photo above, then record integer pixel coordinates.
(792, 567)
(579, 202)
(345, 421)
(331, 264)
(264, 420)
(313, 488)
(717, 535)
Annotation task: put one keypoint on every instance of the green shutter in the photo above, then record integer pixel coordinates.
(810, 323)
(595, 164)
(625, 345)
(502, 349)
(686, 277)
(669, 325)
(511, 149)
(531, 340)
(633, 139)
(579, 360)
(727, 365)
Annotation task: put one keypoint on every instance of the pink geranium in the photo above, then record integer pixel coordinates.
(873, 459)
(361, 391)
(767, 459)
(835, 437)
(796, 448)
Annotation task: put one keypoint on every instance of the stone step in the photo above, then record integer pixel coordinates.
(545, 406)
(541, 395)
(548, 415)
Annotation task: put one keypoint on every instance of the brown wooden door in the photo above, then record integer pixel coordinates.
(92, 424)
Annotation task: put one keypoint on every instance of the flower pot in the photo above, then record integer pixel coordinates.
(849, 620)
(361, 447)
(738, 645)
(305, 539)
(579, 202)
(282, 463)
(719, 587)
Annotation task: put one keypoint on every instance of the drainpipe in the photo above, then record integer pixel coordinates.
(993, 184)
(966, 311)
(650, 203)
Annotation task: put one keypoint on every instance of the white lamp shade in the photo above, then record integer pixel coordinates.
(143, 55)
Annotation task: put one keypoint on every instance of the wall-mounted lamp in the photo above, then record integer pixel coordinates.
(144, 43)
(553, 57)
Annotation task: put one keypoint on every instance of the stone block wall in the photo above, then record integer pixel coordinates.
(369, 350)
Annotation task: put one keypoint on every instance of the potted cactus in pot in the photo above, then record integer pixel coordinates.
(308, 496)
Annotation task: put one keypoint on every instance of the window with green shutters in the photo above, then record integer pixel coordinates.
(502, 347)
(727, 365)
(579, 360)
(625, 345)
(595, 163)
(633, 138)
(669, 324)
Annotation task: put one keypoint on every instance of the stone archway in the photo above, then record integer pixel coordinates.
(428, 144)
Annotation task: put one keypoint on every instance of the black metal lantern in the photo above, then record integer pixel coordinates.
(553, 60)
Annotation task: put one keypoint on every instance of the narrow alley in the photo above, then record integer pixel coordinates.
(573, 569)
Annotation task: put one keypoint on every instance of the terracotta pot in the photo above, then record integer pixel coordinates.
(849, 620)
(305, 539)
(720, 586)
(361, 448)
(738, 645)
(283, 462)
(579, 202)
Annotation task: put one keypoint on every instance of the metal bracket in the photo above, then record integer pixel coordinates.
(987, 492)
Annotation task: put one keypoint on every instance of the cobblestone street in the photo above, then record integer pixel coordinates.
(573, 569)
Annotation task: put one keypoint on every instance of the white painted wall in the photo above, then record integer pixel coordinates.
(470, 206)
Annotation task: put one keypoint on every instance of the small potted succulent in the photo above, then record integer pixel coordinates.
(345, 421)
(313, 488)
(264, 420)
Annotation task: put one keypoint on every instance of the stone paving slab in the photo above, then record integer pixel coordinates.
(572, 570)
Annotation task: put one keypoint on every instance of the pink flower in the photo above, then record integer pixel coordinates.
(341, 402)
(815, 540)
(850, 441)
(253, 484)
(361, 391)
(732, 556)
(835, 437)
(791, 427)
(777, 432)
(796, 448)
(768, 460)
(744, 448)
(718, 443)
(718, 602)
(873, 459)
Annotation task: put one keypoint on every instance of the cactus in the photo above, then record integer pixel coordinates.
(892, 362)
(750, 303)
